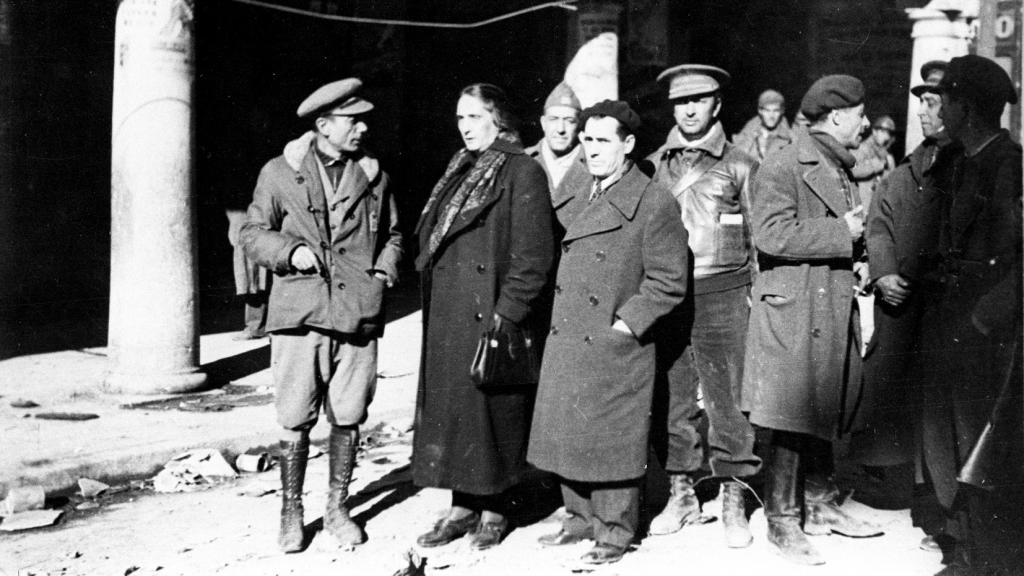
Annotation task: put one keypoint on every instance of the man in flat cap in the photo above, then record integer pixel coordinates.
(874, 161)
(901, 223)
(621, 270)
(558, 152)
(802, 371)
(702, 346)
(769, 130)
(323, 221)
(972, 429)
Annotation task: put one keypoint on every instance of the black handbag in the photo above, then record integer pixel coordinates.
(505, 357)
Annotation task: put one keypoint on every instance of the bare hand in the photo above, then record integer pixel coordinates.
(855, 222)
(305, 261)
(893, 288)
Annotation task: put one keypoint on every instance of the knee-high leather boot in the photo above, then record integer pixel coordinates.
(784, 507)
(344, 442)
(294, 456)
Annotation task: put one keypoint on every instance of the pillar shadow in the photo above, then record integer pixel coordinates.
(226, 370)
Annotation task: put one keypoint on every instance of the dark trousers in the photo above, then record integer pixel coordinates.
(611, 510)
(255, 312)
(703, 349)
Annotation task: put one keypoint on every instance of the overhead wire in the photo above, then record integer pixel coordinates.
(563, 4)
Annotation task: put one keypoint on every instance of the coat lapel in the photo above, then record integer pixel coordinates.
(618, 203)
(821, 178)
(309, 175)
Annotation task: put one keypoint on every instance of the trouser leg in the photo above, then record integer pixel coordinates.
(616, 512)
(784, 500)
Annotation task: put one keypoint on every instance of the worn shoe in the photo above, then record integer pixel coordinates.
(447, 530)
(792, 544)
(564, 538)
(929, 544)
(603, 553)
(734, 516)
(825, 518)
(342, 450)
(489, 535)
(291, 537)
(683, 507)
(248, 335)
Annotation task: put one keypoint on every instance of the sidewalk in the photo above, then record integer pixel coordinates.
(125, 443)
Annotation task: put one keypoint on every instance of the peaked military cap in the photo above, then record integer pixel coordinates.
(932, 73)
(339, 94)
(770, 97)
(692, 79)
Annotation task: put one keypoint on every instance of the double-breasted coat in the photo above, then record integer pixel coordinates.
(621, 259)
(495, 258)
(802, 368)
(289, 208)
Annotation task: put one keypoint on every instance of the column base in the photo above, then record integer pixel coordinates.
(122, 383)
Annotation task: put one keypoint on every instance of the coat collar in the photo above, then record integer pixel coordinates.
(299, 152)
(820, 175)
(618, 203)
(567, 188)
(713, 142)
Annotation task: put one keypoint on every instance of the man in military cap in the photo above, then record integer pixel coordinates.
(802, 370)
(621, 270)
(874, 161)
(323, 221)
(901, 222)
(769, 130)
(702, 347)
(972, 428)
(558, 152)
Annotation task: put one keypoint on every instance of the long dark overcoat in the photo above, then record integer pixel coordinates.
(621, 259)
(496, 258)
(802, 370)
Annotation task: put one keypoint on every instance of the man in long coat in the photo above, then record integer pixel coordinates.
(972, 429)
(323, 221)
(621, 270)
(802, 368)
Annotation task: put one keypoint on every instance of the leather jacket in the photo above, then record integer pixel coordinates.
(714, 196)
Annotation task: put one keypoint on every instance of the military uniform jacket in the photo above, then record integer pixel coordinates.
(289, 208)
(621, 259)
(800, 346)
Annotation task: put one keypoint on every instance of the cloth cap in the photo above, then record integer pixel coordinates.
(691, 79)
(339, 94)
(770, 97)
(831, 93)
(932, 73)
(563, 95)
(884, 122)
(978, 78)
(614, 109)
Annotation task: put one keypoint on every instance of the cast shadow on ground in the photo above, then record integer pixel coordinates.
(226, 370)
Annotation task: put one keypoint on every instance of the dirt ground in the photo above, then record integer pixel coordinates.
(230, 529)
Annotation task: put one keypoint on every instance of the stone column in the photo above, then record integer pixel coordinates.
(154, 338)
(941, 31)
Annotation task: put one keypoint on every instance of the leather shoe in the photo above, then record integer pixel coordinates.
(603, 553)
(489, 535)
(447, 530)
(564, 538)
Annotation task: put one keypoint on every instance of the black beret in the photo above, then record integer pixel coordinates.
(831, 93)
(978, 77)
(614, 109)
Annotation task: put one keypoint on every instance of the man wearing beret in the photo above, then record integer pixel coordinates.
(802, 371)
(901, 223)
(769, 130)
(323, 221)
(701, 347)
(972, 428)
(621, 270)
(558, 152)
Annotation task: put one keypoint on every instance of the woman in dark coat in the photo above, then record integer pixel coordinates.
(486, 250)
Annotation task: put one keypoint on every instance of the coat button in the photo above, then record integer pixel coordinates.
(478, 317)
(310, 208)
(816, 332)
(554, 330)
(341, 285)
(299, 179)
(480, 268)
(558, 289)
(588, 339)
(593, 300)
(599, 256)
(323, 245)
(341, 251)
(565, 248)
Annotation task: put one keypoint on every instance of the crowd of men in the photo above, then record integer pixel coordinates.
(725, 270)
